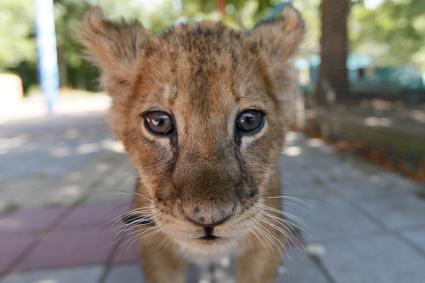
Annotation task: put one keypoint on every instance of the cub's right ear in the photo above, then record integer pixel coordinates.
(114, 46)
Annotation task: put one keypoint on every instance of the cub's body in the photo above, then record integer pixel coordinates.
(202, 111)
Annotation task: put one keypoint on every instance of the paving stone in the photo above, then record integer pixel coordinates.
(368, 188)
(66, 248)
(299, 267)
(78, 275)
(331, 219)
(100, 215)
(30, 220)
(132, 273)
(27, 191)
(383, 259)
(417, 236)
(119, 185)
(398, 212)
(45, 189)
(79, 185)
(126, 252)
(12, 246)
(193, 274)
(81, 168)
(52, 165)
(125, 273)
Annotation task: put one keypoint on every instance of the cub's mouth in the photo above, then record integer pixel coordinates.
(209, 238)
(209, 234)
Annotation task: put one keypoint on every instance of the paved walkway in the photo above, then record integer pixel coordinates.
(63, 181)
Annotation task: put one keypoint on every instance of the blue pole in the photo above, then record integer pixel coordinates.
(46, 51)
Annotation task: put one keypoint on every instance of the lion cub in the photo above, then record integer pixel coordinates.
(202, 111)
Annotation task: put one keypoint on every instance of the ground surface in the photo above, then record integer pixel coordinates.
(63, 179)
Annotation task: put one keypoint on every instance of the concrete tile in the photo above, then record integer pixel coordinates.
(398, 212)
(331, 219)
(368, 187)
(125, 274)
(193, 274)
(417, 237)
(95, 215)
(65, 248)
(26, 191)
(305, 188)
(81, 275)
(298, 267)
(132, 273)
(383, 259)
(31, 220)
(12, 246)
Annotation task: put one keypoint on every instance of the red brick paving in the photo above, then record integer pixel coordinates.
(65, 248)
(126, 252)
(84, 236)
(97, 215)
(32, 220)
(12, 247)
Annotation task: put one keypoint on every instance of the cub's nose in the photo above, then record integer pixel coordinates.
(208, 216)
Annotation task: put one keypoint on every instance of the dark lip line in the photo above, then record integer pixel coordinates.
(208, 238)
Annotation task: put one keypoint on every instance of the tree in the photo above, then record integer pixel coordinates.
(393, 33)
(16, 33)
(333, 77)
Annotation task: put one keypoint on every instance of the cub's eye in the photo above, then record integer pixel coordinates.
(158, 123)
(249, 121)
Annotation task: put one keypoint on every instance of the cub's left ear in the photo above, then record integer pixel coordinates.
(278, 39)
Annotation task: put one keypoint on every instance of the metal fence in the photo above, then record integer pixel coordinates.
(372, 106)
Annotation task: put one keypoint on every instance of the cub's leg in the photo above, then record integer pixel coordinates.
(161, 265)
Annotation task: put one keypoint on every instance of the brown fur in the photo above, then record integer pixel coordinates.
(204, 74)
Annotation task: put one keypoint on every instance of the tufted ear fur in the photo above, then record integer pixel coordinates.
(279, 38)
(114, 47)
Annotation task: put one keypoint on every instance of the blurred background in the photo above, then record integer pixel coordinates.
(354, 164)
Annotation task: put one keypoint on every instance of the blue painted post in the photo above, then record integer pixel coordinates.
(46, 51)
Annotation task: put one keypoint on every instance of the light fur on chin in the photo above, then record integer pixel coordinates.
(213, 252)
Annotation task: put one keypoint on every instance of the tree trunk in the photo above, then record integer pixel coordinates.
(332, 84)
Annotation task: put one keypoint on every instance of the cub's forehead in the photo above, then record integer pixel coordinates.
(200, 61)
(204, 45)
(195, 37)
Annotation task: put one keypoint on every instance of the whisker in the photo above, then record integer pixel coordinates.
(279, 243)
(294, 197)
(273, 240)
(284, 213)
(284, 221)
(263, 239)
(120, 218)
(286, 231)
(137, 235)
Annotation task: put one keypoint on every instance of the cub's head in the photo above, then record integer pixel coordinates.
(202, 111)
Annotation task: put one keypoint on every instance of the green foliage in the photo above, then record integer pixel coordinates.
(239, 13)
(393, 33)
(16, 33)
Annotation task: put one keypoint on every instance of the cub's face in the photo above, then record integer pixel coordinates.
(201, 110)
